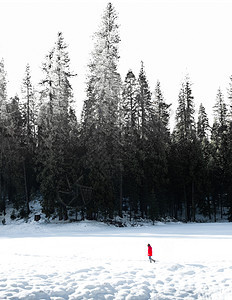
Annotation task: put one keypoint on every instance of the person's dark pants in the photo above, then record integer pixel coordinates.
(151, 260)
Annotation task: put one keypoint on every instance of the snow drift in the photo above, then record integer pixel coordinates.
(90, 260)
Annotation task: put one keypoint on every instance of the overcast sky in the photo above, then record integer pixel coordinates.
(171, 37)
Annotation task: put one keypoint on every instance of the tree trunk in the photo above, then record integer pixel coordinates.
(120, 196)
(215, 210)
(193, 204)
(185, 204)
(26, 189)
(209, 207)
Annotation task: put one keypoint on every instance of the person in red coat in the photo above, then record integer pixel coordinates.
(150, 253)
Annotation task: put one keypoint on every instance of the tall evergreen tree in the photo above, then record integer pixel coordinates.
(54, 126)
(186, 153)
(161, 147)
(3, 129)
(145, 118)
(203, 135)
(154, 135)
(228, 172)
(130, 137)
(29, 139)
(14, 158)
(219, 142)
(100, 114)
(229, 152)
(10, 145)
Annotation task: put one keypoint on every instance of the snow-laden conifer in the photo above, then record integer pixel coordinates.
(54, 126)
(100, 116)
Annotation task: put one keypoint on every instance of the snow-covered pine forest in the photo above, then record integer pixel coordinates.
(121, 156)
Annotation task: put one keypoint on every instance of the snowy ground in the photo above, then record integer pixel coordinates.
(89, 260)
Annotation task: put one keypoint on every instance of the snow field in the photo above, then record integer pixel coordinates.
(89, 260)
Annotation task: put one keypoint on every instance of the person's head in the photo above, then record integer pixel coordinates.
(148, 245)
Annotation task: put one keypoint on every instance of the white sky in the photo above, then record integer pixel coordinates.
(171, 37)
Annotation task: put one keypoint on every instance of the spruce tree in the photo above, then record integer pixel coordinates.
(153, 146)
(14, 158)
(100, 122)
(130, 140)
(186, 149)
(160, 135)
(29, 139)
(3, 129)
(228, 172)
(145, 117)
(219, 139)
(229, 152)
(205, 178)
(11, 171)
(54, 126)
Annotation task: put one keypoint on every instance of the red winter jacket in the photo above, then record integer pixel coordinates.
(149, 251)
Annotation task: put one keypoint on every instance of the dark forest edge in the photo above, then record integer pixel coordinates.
(36, 215)
(121, 156)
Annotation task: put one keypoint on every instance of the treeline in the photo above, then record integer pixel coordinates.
(121, 156)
